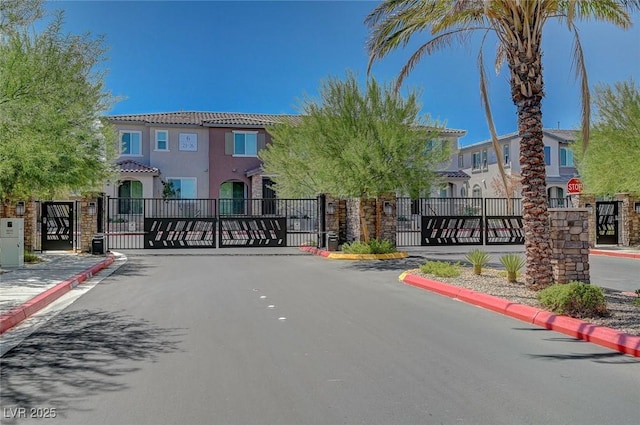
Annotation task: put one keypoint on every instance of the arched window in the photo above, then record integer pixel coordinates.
(477, 191)
(130, 189)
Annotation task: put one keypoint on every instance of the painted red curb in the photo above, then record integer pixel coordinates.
(632, 255)
(37, 303)
(315, 251)
(601, 335)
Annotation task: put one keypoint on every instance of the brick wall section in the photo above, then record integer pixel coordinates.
(88, 225)
(30, 222)
(630, 220)
(570, 244)
(256, 193)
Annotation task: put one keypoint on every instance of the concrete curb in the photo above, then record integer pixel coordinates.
(632, 255)
(606, 337)
(37, 303)
(341, 256)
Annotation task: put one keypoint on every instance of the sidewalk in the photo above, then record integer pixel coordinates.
(26, 290)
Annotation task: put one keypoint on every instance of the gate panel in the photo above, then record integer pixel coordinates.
(179, 233)
(452, 230)
(57, 226)
(503, 221)
(252, 232)
(607, 223)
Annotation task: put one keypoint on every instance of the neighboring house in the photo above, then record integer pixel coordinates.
(479, 160)
(210, 155)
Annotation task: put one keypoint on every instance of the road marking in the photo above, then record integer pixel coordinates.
(271, 306)
(282, 319)
(262, 297)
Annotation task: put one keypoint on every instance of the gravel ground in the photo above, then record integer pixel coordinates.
(623, 314)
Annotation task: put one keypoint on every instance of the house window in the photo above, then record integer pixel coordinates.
(476, 161)
(547, 155)
(131, 143)
(485, 165)
(566, 157)
(162, 140)
(506, 158)
(460, 160)
(184, 188)
(245, 144)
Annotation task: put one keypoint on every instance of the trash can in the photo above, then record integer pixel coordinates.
(332, 241)
(97, 245)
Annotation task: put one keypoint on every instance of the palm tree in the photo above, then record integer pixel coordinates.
(518, 25)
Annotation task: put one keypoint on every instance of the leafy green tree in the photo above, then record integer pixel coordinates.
(518, 26)
(356, 142)
(52, 98)
(611, 164)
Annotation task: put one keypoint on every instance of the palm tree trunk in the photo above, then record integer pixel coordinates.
(527, 93)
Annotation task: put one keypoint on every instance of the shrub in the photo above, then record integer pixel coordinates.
(478, 258)
(575, 299)
(374, 246)
(512, 264)
(30, 257)
(441, 268)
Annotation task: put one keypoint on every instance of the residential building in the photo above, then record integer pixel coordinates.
(480, 162)
(210, 155)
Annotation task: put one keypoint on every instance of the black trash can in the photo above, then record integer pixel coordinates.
(97, 245)
(332, 241)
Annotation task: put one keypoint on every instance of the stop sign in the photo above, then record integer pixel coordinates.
(574, 186)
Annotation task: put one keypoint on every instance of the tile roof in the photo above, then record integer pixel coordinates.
(459, 174)
(222, 119)
(130, 166)
(206, 119)
(563, 135)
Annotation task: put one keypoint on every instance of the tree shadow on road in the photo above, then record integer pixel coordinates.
(80, 354)
(400, 265)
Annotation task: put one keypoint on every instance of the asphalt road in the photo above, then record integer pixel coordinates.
(198, 339)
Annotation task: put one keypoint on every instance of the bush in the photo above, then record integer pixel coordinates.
(575, 299)
(374, 246)
(441, 268)
(30, 257)
(478, 258)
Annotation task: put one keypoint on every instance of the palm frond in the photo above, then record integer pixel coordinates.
(581, 74)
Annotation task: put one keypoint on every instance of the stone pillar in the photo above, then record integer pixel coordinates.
(256, 193)
(336, 222)
(355, 232)
(588, 201)
(569, 231)
(88, 223)
(634, 220)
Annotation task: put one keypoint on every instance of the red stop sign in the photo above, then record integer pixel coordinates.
(574, 186)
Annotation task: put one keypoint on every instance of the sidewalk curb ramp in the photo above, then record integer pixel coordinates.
(606, 337)
(37, 303)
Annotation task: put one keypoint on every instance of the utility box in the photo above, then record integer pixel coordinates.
(332, 241)
(11, 242)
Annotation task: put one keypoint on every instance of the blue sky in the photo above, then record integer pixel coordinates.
(264, 56)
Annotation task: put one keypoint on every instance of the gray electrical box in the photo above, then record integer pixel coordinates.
(11, 242)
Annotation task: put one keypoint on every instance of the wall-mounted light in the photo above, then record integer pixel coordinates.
(387, 207)
(20, 209)
(91, 209)
(331, 209)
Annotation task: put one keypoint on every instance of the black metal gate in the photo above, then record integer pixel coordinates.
(607, 223)
(138, 223)
(57, 226)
